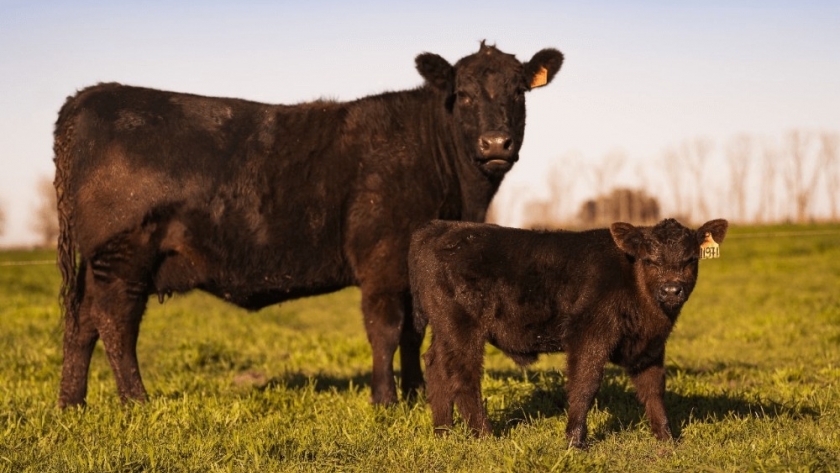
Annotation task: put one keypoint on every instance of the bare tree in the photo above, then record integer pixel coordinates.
(738, 154)
(830, 164)
(557, 207)
(801, 182)
(695, 154)
(2, 219)
(45, 216)
(769, 163)
(674, 176)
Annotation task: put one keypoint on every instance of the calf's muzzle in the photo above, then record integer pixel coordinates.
(671, 292)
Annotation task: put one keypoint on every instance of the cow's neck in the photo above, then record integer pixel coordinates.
(474, 189)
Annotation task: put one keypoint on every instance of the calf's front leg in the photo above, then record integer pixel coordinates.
(650, 390)
(584, 373)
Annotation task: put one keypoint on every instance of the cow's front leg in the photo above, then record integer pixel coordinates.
(585, 369)
(650, 389)
(410, 342)
(384, 316)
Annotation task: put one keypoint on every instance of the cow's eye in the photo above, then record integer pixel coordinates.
(650, 262)
(464, 97)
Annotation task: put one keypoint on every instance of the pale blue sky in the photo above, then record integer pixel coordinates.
(638, 76)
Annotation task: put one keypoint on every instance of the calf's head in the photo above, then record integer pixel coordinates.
(485, 95)
(665, 257)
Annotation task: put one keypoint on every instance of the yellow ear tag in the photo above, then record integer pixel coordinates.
(540, 78)
(709, 248)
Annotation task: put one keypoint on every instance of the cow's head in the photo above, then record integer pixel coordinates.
(485, 94)
(665, 257)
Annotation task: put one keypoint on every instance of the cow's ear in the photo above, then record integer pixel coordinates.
(717, 228)
(543, 67)
(628, 238)
(436, 70)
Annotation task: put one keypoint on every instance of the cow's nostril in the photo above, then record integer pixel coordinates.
(495, 145)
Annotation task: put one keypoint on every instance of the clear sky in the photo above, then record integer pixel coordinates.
(638, 76)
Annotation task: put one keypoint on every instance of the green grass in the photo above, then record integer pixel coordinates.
(753, 383)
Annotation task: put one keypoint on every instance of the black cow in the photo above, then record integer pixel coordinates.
(600, 295)
(162, 192)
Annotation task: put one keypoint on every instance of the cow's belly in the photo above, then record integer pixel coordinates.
(246, 269)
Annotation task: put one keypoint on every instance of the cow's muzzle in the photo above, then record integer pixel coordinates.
(496, 150)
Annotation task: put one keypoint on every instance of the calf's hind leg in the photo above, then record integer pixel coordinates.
(454, 367)
(438, 390)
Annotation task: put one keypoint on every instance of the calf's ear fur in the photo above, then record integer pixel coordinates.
(716, 227)
(543, 67)
(436, 70)
(628, 238)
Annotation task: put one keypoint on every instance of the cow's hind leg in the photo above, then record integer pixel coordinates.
(384, 316)
(80, 336)
(119, 314)
(117, 287)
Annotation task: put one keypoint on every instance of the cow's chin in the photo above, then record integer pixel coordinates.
(496, 167)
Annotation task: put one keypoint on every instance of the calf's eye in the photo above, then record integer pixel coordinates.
(690, 261)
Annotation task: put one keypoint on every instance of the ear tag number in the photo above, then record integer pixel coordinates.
(709, 248)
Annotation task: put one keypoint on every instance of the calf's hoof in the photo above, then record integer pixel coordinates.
(577, 437)
(663, 433)
(387, 399)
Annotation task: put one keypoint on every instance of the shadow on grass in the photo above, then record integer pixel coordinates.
(548, 399)
(322, 382)
(625, 411)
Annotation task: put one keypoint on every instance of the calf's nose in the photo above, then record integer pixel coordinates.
(495, 145)
(671, 290)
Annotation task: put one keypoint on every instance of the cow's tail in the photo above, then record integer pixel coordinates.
(69, 294)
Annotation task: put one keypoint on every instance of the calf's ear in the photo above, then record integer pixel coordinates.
(627, 237)
(543, 67)
(717, 228)
(436, 70)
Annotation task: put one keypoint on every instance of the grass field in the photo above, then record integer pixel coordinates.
(753, 383)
